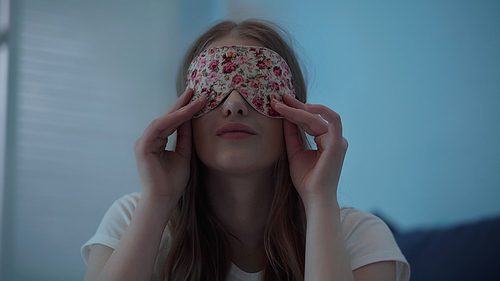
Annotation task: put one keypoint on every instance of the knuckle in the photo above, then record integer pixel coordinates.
(293, 115)
(311, 106)
(138, 146)
(322, 107)
(154, 124)
(336, 117)
(182, 110)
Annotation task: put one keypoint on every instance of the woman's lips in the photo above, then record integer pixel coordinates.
(235, 131)
(235, 135)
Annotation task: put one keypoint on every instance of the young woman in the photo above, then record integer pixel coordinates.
(242, 196)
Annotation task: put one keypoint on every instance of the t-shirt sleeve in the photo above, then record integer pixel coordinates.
(113, 224)
(369, 240)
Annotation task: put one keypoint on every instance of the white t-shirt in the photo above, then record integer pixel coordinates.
(368, 239)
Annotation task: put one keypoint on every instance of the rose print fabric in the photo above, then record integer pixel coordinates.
(258, 74)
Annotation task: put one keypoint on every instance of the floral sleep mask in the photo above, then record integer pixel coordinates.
(257, 73)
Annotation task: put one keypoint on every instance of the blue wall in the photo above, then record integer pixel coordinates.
(418, 87)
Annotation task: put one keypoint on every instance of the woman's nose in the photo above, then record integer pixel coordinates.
(235, 104)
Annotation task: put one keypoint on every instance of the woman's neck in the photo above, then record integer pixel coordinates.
(242, 204)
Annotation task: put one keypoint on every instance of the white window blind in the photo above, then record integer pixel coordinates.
(89, 77)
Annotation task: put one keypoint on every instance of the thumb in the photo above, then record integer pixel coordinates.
(184, 140)
(292, 138)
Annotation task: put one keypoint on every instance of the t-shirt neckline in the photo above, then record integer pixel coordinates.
(243, 275)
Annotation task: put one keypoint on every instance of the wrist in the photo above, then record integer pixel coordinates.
(320, 203)
(162, 204)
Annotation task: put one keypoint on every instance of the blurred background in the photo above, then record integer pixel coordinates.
(417, 86)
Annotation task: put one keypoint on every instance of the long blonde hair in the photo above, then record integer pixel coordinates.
(195, 244)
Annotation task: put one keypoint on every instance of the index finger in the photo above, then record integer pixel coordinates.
(165, 125)
(181, 101)
(293, 102)
(292, 138)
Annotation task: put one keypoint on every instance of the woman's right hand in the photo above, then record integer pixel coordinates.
(164, 173)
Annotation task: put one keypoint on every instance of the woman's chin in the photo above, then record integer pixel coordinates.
(240, 166)
(239, 162)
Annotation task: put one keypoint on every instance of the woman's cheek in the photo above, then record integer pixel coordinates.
(199, 141)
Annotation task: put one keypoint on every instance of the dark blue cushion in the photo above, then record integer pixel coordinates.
(466, 252)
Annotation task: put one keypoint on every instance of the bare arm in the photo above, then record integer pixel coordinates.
(164, 176)
(379, 271)
(315, 174)
(326, 253)
(135, 254)
(99, 255)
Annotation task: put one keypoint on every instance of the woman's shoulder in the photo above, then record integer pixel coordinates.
(129, 200)
(369, 240)
(350, 214)
(357, 225)
(113, 224)
(123, 208)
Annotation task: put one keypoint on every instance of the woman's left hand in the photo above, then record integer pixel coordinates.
(315, 173)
